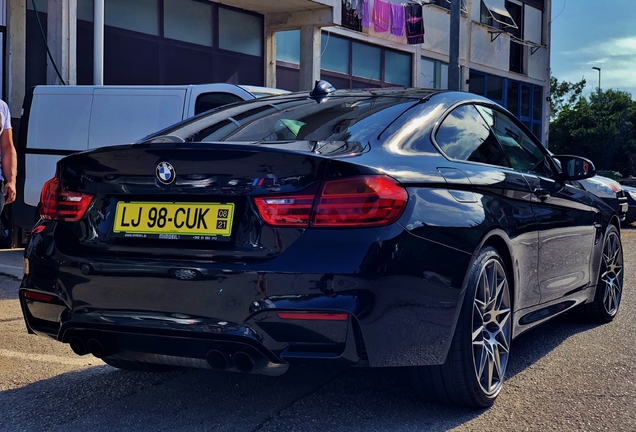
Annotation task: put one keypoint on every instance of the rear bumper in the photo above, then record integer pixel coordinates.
(396, 312)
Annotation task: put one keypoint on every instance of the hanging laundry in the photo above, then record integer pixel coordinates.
(381, 16)
(363, 13)
(397, 19)
(350, 4)
(414, 24)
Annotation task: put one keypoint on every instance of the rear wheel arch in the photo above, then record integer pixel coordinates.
(497, 241)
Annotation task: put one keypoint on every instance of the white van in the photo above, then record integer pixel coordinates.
(60, 120)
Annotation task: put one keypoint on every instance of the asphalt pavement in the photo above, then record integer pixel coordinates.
(567, 375)
(11, 262)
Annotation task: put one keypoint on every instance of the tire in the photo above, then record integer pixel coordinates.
(131, 365)
(609, 288)
(474, 371)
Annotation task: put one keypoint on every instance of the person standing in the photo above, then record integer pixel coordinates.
(8, 158)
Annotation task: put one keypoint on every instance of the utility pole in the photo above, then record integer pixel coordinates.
(453, 50)
(599, 82)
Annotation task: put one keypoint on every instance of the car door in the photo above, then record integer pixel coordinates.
(464, 137)
(566, 217)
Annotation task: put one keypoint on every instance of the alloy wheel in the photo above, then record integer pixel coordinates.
(491, 327)
(612, 274)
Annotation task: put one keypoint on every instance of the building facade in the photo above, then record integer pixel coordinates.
(504, 46)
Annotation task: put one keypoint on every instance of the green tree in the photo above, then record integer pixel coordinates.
(564, 94)
(604, 131)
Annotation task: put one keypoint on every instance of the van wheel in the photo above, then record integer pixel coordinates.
(609, 288)
(474, 371)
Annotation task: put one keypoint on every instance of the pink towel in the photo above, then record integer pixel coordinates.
(381, 16)
(397, 19)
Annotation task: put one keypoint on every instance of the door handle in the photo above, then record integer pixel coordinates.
(541, 193)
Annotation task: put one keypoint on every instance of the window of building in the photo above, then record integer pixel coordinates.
(433, 73)
(495, 13)
(397, 68)
(335, 53)
(188, 21)
(366, 61)
(516, 50)
(240, 32)
(140, 16)
(160, 42)
(523, 100)
(288, 46)
(345, 63)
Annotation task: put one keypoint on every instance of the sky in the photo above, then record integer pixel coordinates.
(601, 33)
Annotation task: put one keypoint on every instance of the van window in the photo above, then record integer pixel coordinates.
(208, 101)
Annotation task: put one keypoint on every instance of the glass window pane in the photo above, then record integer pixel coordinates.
(85, 10)
(464, 135)
(537, 103)
(397, 68)
(140, 16)
(523, 153)
(335, 53)
(525, 101)
(188, 21)
(288, 46)
(240, 32)
(366, 61)
(427, 73)
(513, 98)
(41, 5)
(443, 76)
(208, 101)
(536, 130)
(476, 84)
(495, 88)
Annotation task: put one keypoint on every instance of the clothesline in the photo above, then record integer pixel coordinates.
(398, 18)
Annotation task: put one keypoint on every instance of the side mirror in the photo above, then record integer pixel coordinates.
(575, 167)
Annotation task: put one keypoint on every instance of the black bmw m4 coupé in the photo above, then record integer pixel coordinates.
(386, 228)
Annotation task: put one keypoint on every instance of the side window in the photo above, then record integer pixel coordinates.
(208, 101)
(464, 135)
(524, 155)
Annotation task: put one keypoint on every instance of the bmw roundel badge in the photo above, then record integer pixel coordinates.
(165, 173)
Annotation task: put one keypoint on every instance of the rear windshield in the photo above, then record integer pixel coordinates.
(361, 118)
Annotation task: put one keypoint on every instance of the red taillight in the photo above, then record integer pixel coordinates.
(37, 296)
(286, 210)
(312, 316)
(359, 201)
(351, 202)
(56, 203)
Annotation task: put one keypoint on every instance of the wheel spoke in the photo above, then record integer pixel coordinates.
(491, 326)
(611, 279)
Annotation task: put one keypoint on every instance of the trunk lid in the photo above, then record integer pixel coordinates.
(186, 199)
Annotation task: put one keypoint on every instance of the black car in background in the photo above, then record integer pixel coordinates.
(385, 228)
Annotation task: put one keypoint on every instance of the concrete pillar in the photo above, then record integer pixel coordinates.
(270, 59)
(16, 55)
(546, 40)
(309, 56)
(62, 40)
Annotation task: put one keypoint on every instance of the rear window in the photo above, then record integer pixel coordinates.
(361, 118)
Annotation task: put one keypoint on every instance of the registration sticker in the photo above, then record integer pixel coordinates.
(198, 221)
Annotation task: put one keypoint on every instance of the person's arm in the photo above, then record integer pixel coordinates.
(9, 164)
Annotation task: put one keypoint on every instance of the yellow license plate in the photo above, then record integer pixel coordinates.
(165, 219)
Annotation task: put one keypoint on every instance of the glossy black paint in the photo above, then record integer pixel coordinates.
(401, 286)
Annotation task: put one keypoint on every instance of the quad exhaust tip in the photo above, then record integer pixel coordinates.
(246, 360)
